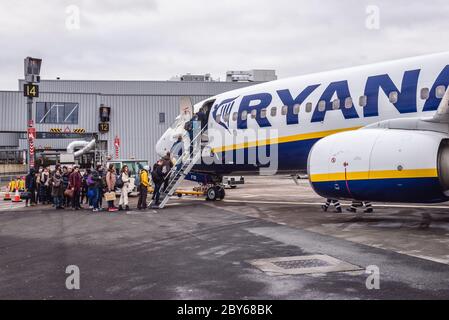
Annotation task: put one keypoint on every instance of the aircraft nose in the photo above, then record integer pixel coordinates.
(160, 149)
(165, 143)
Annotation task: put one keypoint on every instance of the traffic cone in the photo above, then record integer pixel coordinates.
(7, 196)
(17, 196)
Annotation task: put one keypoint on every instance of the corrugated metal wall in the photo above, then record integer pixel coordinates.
(135, 120)
(139, 87)
(9, 139)
(12, 111)
(135, 108)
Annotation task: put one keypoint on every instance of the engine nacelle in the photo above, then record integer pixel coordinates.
(387, 165)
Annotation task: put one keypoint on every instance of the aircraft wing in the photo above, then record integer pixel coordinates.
(442, 114)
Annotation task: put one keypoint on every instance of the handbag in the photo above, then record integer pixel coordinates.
(69, 193)
(25, 195)
(119, 182)
(110, 196)
(188, 125)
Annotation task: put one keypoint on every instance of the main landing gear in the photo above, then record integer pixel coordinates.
(215, 193)
(210, 186)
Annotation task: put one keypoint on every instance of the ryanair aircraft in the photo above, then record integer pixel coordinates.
(376, 133)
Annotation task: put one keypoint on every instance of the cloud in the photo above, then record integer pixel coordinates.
(141, 39)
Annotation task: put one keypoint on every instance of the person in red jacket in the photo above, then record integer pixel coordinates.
(75, 185)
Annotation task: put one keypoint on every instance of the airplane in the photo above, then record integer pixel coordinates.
(378, 132)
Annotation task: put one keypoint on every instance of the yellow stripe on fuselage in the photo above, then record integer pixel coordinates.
(377, 174)
(293, 138)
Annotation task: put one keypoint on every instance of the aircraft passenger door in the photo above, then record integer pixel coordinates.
(185, 108)
(207, 108)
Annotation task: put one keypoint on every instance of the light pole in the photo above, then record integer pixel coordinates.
(32, 68)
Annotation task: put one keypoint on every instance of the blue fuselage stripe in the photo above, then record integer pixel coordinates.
(289, 156)
(423, 190)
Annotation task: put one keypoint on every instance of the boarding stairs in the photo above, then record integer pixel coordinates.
(181, 169)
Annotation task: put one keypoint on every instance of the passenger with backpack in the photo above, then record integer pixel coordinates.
(101, 185)
(158, 179)
(93, 185)
(167, 165)
(143, 188)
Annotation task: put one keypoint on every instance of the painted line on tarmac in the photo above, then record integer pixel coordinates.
(321, 203)
(9, 206)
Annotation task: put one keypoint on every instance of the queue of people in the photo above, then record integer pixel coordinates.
(69, 188)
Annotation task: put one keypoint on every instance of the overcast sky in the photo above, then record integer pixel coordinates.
(158, 39)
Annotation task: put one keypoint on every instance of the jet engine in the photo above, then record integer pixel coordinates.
(388, 165)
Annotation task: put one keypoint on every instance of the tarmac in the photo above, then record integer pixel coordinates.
(197, 249)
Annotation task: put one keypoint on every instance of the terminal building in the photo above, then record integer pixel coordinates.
(69, 110)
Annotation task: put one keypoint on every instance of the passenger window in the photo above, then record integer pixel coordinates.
(274, 111)
(263, 113)
(296, 108)
(393, 96)
(226, 117)
(440, 92)
(336, 104)
(284, 110)
(244, 115)
(234, 116)
(363, 101)
(348, 103)
(321, 106)
(218, 118)
(253, 114)
(309, 107)
(425, 93)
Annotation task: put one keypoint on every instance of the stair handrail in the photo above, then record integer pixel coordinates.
(198, 136)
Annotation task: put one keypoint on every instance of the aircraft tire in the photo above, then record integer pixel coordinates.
(211, 194)
(220, 193)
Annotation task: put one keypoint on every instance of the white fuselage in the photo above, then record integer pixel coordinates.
(294, 113)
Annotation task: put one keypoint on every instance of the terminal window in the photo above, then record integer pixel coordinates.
(57, 112)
